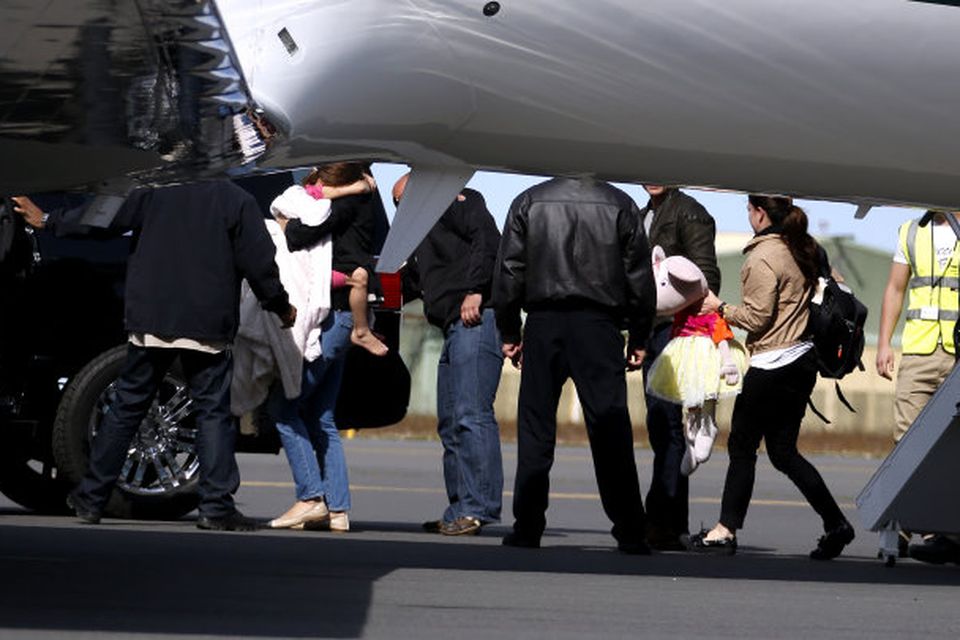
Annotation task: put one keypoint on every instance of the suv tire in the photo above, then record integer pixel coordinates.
(145, 495)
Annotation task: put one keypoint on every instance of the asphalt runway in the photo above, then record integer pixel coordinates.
(387, 579)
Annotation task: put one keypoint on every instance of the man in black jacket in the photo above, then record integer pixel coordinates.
(574, 256)
(452, 270)
(682, 227)
(193, 245)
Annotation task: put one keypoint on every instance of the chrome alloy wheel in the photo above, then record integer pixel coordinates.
(162, 456)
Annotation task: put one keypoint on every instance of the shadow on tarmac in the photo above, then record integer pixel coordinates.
(278, 584)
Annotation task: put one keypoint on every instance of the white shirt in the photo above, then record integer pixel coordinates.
(944, 242)
(776, 358)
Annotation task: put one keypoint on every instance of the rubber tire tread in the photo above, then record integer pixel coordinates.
(70, 443)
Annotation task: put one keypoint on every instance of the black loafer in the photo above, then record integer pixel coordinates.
(721, 547)
(236, 521)
(831, 544)
(515, 540)
(86, 513)
(634, 548)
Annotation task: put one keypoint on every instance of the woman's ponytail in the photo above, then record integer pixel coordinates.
(792, 223)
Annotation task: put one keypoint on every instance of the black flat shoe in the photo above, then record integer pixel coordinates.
(634, 548)
(720, 547)
(236, 521)
(514, 540)
(831, 544)
(86, 513)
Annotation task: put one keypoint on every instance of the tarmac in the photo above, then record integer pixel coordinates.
(388, 579)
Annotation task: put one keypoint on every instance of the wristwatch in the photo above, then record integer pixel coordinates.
(722, 308)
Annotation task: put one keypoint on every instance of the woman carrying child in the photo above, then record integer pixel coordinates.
(336, 234)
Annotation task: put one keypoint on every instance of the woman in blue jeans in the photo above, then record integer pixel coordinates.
(310, 438)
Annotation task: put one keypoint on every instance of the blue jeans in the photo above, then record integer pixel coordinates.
(467, 378)
(306, 424)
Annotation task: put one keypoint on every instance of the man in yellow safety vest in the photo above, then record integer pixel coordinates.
(927, 264)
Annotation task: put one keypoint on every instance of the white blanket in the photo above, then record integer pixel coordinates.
(262, 348)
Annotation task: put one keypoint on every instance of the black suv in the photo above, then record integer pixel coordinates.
(62, 345)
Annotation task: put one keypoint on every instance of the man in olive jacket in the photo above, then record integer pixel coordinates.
(682, 227)
(574, 256)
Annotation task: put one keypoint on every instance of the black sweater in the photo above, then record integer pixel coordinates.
(357, 226)
(455, 259)
(193, 246)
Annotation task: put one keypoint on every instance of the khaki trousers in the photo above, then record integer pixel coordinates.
(918, 378)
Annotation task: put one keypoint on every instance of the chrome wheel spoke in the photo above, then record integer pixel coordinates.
(138, 473)
(177, 408)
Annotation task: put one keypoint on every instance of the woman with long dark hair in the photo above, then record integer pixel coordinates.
(777, 280)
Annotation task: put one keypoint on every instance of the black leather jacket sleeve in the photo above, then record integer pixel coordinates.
(511, 271)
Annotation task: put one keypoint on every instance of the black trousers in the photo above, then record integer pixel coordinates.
(771, 407)
(208, 381)
(587, 346)
(668, 497)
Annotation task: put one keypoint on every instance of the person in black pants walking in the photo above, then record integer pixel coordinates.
(193, 245)
(777, 281)
(681, 226)
(574, 255)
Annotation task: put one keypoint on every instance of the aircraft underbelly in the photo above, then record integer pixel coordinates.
(842, 100)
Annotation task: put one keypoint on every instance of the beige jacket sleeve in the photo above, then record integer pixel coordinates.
(760, 298)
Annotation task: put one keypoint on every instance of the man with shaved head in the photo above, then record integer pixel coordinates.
(452, 270)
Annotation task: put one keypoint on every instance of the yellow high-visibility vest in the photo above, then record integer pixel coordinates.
(933, 304)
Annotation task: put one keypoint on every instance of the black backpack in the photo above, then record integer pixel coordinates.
(836, 329)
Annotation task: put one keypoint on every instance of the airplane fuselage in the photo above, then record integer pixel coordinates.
(853, 100)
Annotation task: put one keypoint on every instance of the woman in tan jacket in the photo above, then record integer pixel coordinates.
(777, 281)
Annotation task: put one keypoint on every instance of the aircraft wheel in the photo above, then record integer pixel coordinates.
(159, 478)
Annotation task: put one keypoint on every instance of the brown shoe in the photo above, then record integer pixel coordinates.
(462, 526)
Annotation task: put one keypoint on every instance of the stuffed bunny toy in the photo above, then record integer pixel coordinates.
(701, 363)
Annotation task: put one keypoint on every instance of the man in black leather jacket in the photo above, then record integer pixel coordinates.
(575, 257)
(681, 226)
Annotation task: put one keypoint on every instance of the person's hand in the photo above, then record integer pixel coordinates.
(371, 184)
(711, 303)
(470, 312)
(885, 361)
(288, 317)
(282, 221)
(513, 351)
(32, 214)
(635, 356)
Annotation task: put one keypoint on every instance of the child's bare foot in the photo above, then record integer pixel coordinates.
(368, 341)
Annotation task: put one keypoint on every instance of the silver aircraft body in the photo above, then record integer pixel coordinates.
(853, 101)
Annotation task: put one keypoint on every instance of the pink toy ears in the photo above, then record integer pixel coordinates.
(658, 255)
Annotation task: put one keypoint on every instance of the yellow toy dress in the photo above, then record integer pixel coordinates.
(690, 369)
(700, 364)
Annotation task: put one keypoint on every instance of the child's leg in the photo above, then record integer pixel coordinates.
(361, 334)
